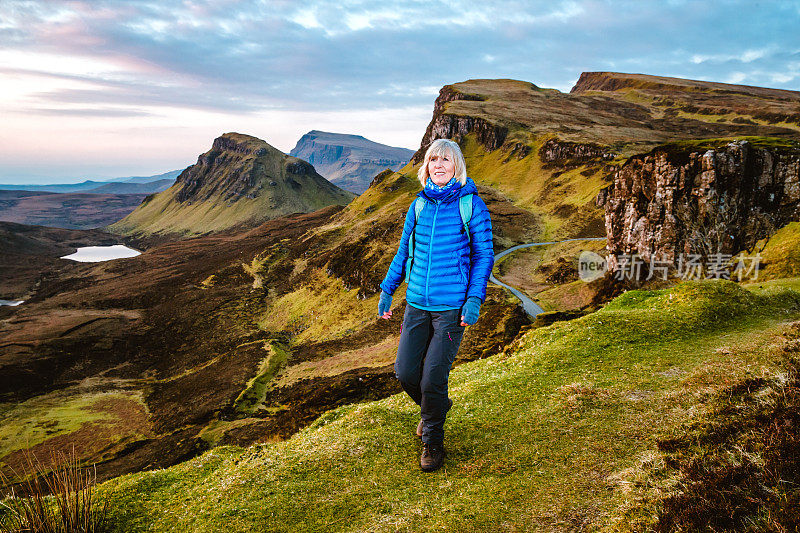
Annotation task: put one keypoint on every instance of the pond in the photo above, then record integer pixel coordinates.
(91, 254)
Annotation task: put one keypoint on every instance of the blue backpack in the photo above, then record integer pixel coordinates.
(464, 208)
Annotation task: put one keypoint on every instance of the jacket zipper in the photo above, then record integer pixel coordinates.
(430, 256)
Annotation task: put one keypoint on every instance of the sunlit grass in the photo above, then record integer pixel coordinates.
(533, 439)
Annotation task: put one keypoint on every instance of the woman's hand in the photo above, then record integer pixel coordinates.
(385, 305)
(470, 311)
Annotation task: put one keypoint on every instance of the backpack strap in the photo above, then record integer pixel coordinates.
(465, 208)
(419, 203)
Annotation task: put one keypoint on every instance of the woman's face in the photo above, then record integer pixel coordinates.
(441, 168)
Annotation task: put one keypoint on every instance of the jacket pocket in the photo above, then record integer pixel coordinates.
(462, 269)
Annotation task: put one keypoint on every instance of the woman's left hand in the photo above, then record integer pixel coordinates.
(470, 311)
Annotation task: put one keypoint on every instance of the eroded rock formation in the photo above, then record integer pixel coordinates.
(684, 200)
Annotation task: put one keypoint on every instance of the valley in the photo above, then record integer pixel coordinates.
(251, 310)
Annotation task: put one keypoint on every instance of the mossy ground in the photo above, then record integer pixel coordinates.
(96, 422)
(780, 254)
(33, 421)
(251, 397)
(536, 440)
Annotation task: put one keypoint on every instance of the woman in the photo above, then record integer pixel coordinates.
(446, 256)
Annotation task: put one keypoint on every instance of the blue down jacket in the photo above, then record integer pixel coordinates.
(448, 267)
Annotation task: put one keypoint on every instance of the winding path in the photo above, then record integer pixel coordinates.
(531, 307)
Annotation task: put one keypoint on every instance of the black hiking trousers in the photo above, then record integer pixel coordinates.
(429, 341)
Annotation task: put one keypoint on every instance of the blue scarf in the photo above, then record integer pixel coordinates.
(438, 192)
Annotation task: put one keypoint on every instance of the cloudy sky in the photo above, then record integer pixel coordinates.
(108, 88)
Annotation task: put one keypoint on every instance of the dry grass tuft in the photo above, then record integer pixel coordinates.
(58, 498)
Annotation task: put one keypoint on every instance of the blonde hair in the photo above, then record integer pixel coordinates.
(444, 147)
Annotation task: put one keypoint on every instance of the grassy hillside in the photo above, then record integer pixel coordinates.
(266, 329)
(558, 434)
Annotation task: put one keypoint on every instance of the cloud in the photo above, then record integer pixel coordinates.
(735, 77)
(91, 112)
(229, 60)
(326, 54)
(747, 56)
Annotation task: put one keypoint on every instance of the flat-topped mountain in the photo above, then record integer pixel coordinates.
(243, 181)
(625, 113)
(661, 85)
(349, 161)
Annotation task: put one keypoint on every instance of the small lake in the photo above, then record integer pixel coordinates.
(11, 302)
(93, 254)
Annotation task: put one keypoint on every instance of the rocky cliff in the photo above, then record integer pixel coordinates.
(701, 198)
(452, 126)
(348, 161)
(241, 181)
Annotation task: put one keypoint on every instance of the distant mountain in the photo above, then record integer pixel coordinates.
(134, 187)
(241, 181)
(92, 185)
(70, 210)
(83, 186)
(171, 175)
(349, 161)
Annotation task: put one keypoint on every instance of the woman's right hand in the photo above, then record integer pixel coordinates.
(385, 305)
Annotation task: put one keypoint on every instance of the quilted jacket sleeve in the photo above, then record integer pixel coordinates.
(480, 229)
(397, 270)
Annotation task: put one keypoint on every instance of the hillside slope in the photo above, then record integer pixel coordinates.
(30, 251)
(560, 434)
(241, 181)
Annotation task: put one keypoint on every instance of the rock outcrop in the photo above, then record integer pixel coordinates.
(449, 126)
(685, 199)
(348, 161)
(559, 151)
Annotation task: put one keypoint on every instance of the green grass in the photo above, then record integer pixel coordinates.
(253, 395)
(695, 145)
(321, 309)
(534, 440)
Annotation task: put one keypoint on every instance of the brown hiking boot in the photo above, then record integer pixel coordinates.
(432, 457)
(419, 426)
